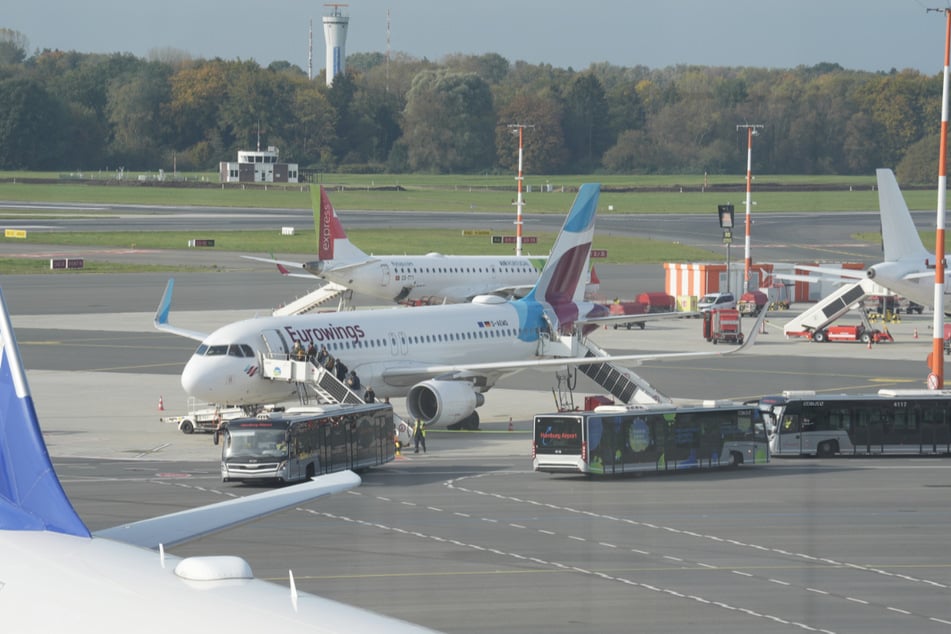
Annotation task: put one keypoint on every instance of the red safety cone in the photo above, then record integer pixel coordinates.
(161, 404)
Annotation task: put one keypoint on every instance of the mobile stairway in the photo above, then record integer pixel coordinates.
(622, 383)
(831, 307)
(316, 299)
(309, 378)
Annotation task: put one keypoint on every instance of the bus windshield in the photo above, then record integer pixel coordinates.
(558, 434)
(265, 443)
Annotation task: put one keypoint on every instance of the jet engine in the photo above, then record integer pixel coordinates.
(443, 401)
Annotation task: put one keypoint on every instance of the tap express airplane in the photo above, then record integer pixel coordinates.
(441, 358)
(405, 278)
(57, 576)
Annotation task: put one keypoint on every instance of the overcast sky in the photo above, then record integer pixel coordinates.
(874, 35)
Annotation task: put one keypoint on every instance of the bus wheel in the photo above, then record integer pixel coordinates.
(187, 427)
(826, 449)
(736, 459)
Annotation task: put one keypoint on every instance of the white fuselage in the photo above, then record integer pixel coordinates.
(455, 278)
(368, 342)
(900, 278)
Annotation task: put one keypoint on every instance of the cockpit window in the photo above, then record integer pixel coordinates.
(201, 350)
(216, 351)
(248, 351)
(239, 350)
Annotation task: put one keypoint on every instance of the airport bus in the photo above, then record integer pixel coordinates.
(902, 422)
(615, 440)
(297, 445)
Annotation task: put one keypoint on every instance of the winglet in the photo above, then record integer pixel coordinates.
(31, 496)
(161, 316)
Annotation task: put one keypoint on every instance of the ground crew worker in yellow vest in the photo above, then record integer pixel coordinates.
(419, 435)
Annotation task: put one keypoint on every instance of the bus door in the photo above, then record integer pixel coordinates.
(790, 435)
(325, 446)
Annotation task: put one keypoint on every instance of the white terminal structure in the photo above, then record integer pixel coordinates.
(335, 36)
(258, 166)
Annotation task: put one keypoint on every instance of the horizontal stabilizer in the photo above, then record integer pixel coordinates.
(184, 526)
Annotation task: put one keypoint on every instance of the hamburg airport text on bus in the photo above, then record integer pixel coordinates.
(291, 446)
(614, 440)
(902, 422)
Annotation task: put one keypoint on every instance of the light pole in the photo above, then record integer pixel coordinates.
(518, 200)
(936, 378)
(751, 129)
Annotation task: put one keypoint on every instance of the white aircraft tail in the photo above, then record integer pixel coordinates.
(332, 241)
(900, 239)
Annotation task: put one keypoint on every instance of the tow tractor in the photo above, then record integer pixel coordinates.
(204, 418)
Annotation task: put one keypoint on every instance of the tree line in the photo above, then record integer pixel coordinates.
(66, 110)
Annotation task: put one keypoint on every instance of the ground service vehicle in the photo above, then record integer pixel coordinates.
(292, 446)
(851, 333)
(723, 324)
(204, 419)
(905, 422)
(614, 440)
(751, 303)
(714, 301)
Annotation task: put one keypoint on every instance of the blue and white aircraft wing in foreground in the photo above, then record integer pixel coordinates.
(57, 577)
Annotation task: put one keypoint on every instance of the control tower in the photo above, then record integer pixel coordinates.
(335, 35)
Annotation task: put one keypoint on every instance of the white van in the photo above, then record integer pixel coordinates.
(712, 301)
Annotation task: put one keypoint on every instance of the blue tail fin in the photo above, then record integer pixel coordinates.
(31, 497)
(562, 281)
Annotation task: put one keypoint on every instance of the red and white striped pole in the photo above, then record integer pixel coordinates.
(748, 266)
(518, 201)
(936, 380)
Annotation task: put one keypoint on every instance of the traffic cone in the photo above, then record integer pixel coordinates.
(161, 404)
(511, 428)
(916, 333)
(869, 346)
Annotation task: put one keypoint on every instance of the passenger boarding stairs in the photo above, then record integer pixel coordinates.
(315, 299)
(309, 378)
(622, 383)
(832, 306)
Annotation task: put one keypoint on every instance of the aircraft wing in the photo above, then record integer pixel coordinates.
(177, 528)
(408, 375)
(161, 317)
(634, 319)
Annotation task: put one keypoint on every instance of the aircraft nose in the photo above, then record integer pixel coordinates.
(195, 381)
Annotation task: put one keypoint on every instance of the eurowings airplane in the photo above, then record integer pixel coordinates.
(403, 278)
(907, 267)
(56, 576)
(441, 358)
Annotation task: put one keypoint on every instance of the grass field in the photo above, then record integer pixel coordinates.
(418, 193)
